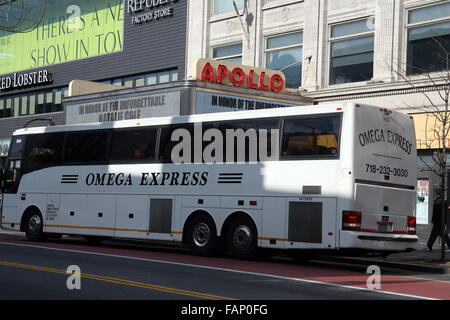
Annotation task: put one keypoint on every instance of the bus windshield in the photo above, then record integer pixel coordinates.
(12, 174)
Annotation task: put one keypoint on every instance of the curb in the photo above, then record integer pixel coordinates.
(363, 262)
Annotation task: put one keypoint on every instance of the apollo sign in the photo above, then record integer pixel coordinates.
(239, 75)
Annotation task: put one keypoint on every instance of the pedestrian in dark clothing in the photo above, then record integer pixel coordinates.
(436, 220)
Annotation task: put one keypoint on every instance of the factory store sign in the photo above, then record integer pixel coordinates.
(147, 11)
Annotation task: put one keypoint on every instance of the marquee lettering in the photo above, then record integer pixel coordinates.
(241, 76)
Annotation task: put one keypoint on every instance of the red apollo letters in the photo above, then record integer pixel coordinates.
(239, 78)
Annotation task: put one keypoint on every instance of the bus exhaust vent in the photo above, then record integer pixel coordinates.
(305, 222)
(160, 215)
(312, 189)
(69, 178)
(230, 177)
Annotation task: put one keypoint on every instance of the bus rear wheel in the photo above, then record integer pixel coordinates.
(202, 236)
(242, 239)
(34, 226)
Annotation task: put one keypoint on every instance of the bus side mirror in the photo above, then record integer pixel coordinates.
(2, 178)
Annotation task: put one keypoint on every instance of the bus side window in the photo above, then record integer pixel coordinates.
(42, 151)
(86, 147)
(134, 144)
(166, 144)
(248, 132)
(316, 136)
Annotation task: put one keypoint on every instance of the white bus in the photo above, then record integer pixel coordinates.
(344, 177)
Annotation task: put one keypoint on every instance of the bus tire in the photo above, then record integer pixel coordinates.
(202, 235)
(242, 239)
(34, 225)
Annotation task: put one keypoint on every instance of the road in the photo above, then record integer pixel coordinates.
(120, 270)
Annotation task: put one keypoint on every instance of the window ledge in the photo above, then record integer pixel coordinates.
(279, 3)
(225, 16)
(369, 88)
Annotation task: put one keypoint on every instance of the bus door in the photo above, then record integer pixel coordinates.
(311, 222)
(11, 181)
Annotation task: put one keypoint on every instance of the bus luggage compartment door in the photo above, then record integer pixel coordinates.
(161, 217)
(312, 223)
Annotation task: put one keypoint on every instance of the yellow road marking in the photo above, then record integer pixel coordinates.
(119, 281)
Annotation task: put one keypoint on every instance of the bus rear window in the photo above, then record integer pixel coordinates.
(310, 137)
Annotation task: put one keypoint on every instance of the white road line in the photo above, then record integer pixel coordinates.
(223, 269)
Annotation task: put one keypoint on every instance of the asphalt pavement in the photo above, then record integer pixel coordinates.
(172, 273)
(41, 271)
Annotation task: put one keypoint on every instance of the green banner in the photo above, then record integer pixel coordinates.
(69, 30)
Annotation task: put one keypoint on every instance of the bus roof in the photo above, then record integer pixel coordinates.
(206, 117)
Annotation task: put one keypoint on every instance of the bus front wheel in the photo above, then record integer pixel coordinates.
(34, 226)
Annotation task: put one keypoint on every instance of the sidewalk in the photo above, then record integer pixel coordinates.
(420, 260)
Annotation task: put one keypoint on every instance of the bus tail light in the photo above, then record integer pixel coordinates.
(411, 225)
(351, 220)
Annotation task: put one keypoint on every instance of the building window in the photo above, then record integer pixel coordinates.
(285, 53)
(229, 53)
(222, 6)
(145, 79)
(32, 103)
(351, 57)
(428, 38)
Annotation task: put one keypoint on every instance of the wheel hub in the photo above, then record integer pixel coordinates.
(242, 237)
(34, 223)
(201, 234)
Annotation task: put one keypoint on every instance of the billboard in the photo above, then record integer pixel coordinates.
(69, 30)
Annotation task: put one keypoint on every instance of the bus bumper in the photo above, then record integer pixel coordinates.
(378, 241)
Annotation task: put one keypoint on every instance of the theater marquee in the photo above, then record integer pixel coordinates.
(235, 75)
(133, 107)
